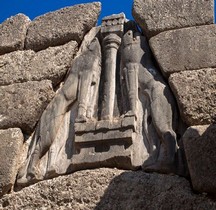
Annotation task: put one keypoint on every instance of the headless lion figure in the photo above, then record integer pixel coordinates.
(141, 75)
(82, 70)
(88, 85)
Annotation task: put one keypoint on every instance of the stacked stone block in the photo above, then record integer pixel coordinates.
(182, 37)
(35, 57)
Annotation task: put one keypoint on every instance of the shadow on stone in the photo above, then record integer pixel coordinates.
(199, 144)
(139, 190)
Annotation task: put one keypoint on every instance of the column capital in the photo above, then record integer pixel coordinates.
(113, 24)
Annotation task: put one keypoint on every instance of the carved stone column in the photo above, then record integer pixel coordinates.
(112, 31)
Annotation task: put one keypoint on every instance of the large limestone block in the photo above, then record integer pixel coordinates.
(22, 104)
(200, 146)
(11, 141)
(61, 26)
(13, 33)
(51, 63)
(109, 189)
(155, 16)
(185, 49)
(195, 92)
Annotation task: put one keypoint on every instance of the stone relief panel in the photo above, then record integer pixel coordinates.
(114, 110)
(144, 81)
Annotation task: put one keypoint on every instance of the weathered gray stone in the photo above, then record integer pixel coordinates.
(155, 16)
(195, 92)
(11, 141)
(22, 104)
(61, 26)
(113, 133)
(51, 63)
(109, 189)
(13, 33)
(90, 66)
(48, 138)
(112, 31)
(145, 84)
(121, 148)
(200, 145)
(185, 49)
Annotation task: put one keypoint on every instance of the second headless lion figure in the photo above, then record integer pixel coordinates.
(143, 78)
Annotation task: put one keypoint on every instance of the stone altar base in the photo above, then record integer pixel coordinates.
(108, 144)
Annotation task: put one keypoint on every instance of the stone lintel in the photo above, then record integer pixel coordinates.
(103, 136)
(88, 137)
(106, 125)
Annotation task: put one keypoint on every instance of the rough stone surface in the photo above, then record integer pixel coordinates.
(200, 145)
(108, 189)
(13, 33)
(155, 16)
(185, 49)
(61, 26)
(195, 92)
(11, 141)
(51, 64)
(22, 104)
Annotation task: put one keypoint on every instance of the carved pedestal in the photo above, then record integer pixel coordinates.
(107, 144)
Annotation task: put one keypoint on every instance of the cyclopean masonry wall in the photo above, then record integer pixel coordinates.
(87, 97)
(184, 50)
(155, 16)
(29, 79)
